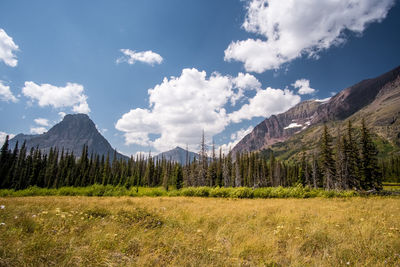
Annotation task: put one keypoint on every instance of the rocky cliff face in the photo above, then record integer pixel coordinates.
(281, 127)
(278, 128)
(71, 134)
(354, 98)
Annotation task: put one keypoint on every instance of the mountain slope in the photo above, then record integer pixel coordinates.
(71, 134)
(178, 154)
(377, 100)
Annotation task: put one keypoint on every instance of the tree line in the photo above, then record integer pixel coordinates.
(348, 163)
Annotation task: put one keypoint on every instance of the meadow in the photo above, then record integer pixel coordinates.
(198, 231)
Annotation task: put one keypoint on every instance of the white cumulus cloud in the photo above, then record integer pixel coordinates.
(7, 49)
(38, 130)
(235, 139)
(3, 137)
(72, 95)
(304, 87)
(6, 94)
(266, 103)
(42, 121)
(148, 57)
(180, 108)
(62, 114)
(291, 29)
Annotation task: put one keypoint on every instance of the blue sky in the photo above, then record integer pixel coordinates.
(222, 66)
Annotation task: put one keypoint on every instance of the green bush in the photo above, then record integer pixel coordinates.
(298, 191)
(224, 192)
(242, 192)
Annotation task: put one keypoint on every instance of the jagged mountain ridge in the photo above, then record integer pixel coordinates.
(366, 97)
(71, 133)
(179, 155)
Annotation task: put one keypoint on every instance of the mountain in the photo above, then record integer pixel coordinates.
(178, 154)
(377, 100)
(71, 133)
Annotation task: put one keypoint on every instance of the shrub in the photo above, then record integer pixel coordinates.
(242, 192)
(224, 192)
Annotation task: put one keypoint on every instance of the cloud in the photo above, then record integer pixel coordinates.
(62, 114)
(3, 137)
(38, 130)
(304, 87)
(235, 139)
(6, 94)
(148, 57)
(266, 103)
(41, 121)
(180, 108)
(242, 83)
(293, 29)
(246, 82)
(72, 95)
(7, 49)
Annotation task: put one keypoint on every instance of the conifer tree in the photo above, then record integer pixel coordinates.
(327, 161)
(178, 175)
(371, 177)
(352, 161)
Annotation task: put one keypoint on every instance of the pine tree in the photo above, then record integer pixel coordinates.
(341, 179)
(178, 174)
(371, 177)
(352, 161)
(4, 162)
(149, 174)
(203, 162)
(106, 170)
(327, 161)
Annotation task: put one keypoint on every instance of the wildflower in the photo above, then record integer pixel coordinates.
(16, 217)
(33, 216)
(2, 207)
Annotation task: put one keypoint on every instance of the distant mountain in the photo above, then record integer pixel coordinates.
(377, 100)
(178, 154)
(71, 134)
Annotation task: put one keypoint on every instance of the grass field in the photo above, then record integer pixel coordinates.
(186, 231)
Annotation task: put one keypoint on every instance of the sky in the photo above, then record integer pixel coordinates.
(154, 75)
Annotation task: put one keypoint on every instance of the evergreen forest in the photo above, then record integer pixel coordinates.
(346, 162)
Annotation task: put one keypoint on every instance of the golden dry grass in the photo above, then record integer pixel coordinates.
(165, 231)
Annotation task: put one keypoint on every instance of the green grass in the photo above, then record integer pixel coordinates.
(219, 192)
(197, 231)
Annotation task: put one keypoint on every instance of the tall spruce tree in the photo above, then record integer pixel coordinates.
(370, 175)
(352, 160)
(326, 158)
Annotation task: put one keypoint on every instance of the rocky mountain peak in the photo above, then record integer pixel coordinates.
(279, 128)
(74, 131)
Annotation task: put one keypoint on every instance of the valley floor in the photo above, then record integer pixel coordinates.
(184, 231)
